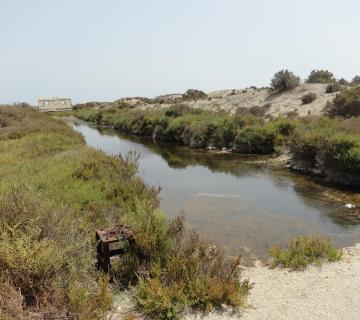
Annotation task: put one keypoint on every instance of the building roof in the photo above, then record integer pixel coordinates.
(52, 98)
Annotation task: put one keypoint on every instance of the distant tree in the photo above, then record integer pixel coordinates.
(320, 76)
(193, 94)
(284, 80)
(343, 82)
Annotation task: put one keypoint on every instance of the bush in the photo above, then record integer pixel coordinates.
(343, 82)
(160, 301)
(355, 81)
(304, 146)
(346, 103)
(193, 94)
(194, 274)
(340, 158)
(303, 251)
(332, 87)
(284, 80)
(329, 147)
(178, 110)
(308, 98)
(258, 140)
(320, 76)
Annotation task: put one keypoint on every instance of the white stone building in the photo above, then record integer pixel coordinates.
(54, 104)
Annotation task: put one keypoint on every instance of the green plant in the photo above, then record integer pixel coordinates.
(57, 191)
(194, 274)
(332, 87)
(255, 140)
(308, 97)
(160, 301)
(284, 80)
(346, 103)
(343, 82)
(303, 251)
(320, 76)
(193, 94)
(178, 110)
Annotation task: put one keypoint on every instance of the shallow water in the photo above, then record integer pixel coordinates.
(240, 202)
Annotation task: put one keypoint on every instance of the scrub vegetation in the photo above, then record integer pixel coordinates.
(54, 193)
(327, 146)
(303, 251)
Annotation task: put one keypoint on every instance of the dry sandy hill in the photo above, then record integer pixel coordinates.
(230, 100)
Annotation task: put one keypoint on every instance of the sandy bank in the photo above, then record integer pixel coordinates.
(331, 292)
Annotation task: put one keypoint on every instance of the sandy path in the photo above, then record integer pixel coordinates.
(331, 292)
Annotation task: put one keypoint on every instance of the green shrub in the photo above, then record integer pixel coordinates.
(285, 126)
(160, 301)
(308, 98)
(346, 103)
(305, 145)
(284, 80)
(257, 140)
(31, 263)
(340, 157)
(320, 76)
(193, 94)
(179, 110)
(194, 274)
(343, 82)
(332, 87)
(303, 251)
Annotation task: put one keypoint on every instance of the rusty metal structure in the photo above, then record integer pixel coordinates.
(112, 242)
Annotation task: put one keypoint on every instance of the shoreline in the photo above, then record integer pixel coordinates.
(274, 159)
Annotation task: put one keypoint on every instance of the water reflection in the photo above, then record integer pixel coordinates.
(239, 202)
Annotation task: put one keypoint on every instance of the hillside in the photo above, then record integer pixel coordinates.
(231, 100)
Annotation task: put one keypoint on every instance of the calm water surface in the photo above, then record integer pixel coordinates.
(239, 202)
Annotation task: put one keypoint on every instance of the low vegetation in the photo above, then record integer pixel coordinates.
(325, 146)
(193, 94)
(308, 97)
(346, 103)
(284, 80)
(320, 76)
(303, 251)
(54, 193)
(333, 87)
(330, 148)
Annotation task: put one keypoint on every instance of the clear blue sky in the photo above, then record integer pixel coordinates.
(103, 50)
